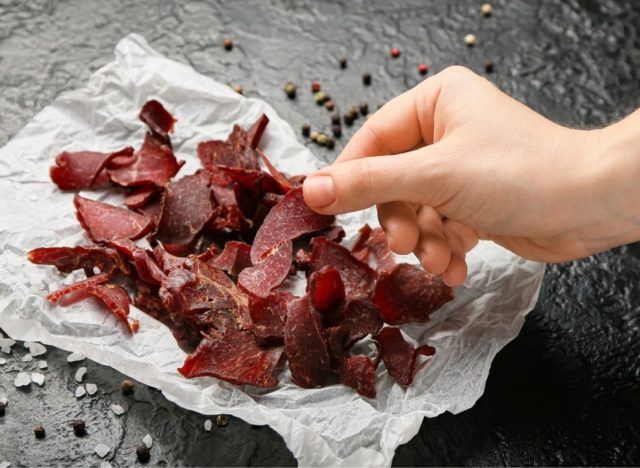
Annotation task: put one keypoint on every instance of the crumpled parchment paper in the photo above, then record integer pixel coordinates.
(328, 426)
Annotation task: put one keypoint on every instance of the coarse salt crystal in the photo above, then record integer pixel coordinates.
(102, 450)
(3, 361)
(36, 349)
(208, 424)
(91, 388)
(75, 357)
(147, 440)
(22, 380)
(80, 392)
(37, 378)
(27, 358)
(80, 373)
(117, 409)
(42, 364)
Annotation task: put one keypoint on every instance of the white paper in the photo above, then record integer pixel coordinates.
(324, 427)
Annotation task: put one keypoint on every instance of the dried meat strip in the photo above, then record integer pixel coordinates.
(234, 258)
(377, 243)
(83, 169)
(305, 346)
(288, 220)
(284, 183)
(77, 287)
(407, 293)
(398, 356)
(117, 301)
(147, 268)
(269, 315)
(326, 290)
(360, 318)
(269, 272)
(159, 121)
(68, 259)
(359, 373)
(105, 222)
(140, 197)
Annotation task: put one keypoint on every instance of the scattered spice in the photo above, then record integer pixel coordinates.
(80, 392)
(306, 130)
(329, 105)
(320, 98)
(355, 111)
(208, 425)
(470, 40)
(39, 431)
(488, 66)
(144, 453)
(102, 450)
(322, 139)
(238, 89)
(91, 388)
(127, 387)
(3, 405)
(75, 357)
(331, 143)
(222, 420)
(366, 79)
(314, 136)
(80, 373)
(228, 43)
(315, 87)
(147, 440)
(336, 130)
(364, 108)
(36, 349)
(117, 409)
(79, 427)
(423, 68)
(348, 119)
(37, 378)
(335, 119)
(343, 62)
(290, 89)
(486, 9)
(395, 52)
(22, 380)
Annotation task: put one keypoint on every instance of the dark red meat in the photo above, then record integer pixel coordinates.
(326, 290)
(234, 258)
(305, 345)
(77, 287)
(117, 301)
(165, 260)
(360, 318)
(398, 356)
(269, 315)
(147, 268)
(284, 183)
(155, 165)
(83, 169)
(105, 222)
(231, 354)
(68, 259)
(140, 197)
(288, 220)
(363, 236)
(409, 294)
(159, 121)
(377, 243)
(269, 272)
(359, 373)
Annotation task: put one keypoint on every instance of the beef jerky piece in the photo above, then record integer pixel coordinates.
(359, 373)
(147, 268)
(288, 220)
(377, 243)
(68, 259)
(234, 258)
(269, 272)
(159, 121)
(363, 236)
(407, 293)
(105, 222)
(140, 197)
(302, 259)
(165, 260)
(362, 254)
(360, 318)
(83, 169)
(326, 291)
(297, 180)
(284, 183)
(358, 277)
(269, 315)
(186, 209)
(255, 132)
(78, 287)
(332, 233)
(124, 246)
(231, 354)
(399, 356)
(117, 301)
(230, 215)
(305, 346)
(211, 252)
(153, 210)
(252, 181)
(155, 165)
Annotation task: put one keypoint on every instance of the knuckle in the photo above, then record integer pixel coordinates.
(457, 73)
(362, 177)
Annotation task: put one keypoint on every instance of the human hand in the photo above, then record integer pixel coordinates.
(455, 160)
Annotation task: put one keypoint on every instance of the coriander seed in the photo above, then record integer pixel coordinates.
(322, 141)
(470, 40)
(238, 89)
(486, 9)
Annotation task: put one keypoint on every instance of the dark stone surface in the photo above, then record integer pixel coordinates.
(565, 392)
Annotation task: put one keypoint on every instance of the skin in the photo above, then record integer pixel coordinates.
(455, 160)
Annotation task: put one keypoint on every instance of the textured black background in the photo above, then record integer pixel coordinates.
(565, 392)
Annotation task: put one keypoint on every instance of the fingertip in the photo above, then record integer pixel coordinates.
(456, 272)
(398, 220)
(318, 191)
(434, 254)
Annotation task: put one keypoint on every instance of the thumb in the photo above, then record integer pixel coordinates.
(353, 185)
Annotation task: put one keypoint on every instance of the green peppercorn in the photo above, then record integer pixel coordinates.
(306, 130)
(322, 139)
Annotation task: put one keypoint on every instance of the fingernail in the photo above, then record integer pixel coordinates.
(318, 191)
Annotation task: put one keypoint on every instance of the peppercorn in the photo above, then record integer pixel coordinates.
(337, 131)
(423, 68)
(320, 98)
(315, 86)
(364, 108)
(314, 136)
(331, 143)
(39, 431)
(343, 63)
(228, 43)
(366, 79)
(127, 387)
(335, 119)
(79, 427)
(222, 419)
(144, 453)
(395, 52)
(322, 139)
(355, 111)
(329, 105)
(238, 89)
(348, 119)
(486, 9)
(306, 130)
(290, 89)
(488, 66)
(470, 40)
(3, 405)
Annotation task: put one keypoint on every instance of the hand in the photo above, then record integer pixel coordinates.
(455, 160)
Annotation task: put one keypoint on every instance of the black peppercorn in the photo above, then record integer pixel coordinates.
(337, 131)
(343, 63)
(144, 453)
(488, 66)
(366, 79)
(335, 119)
(329, 105)
(3, 405)
(127, 387)
(222, 420)
(348, 119)
(364, 108)
(331, 143)
(38, 431)
(354, 112)
(228, 44)
(306, 130)
(79, 427)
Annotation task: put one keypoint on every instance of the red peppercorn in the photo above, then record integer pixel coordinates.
(315, 86)
(423, 68)
(227, 43)
(395, 52)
